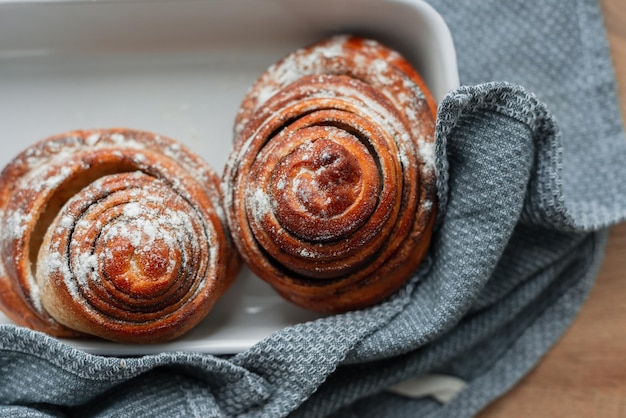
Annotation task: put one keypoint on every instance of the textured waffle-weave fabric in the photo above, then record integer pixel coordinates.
(530, 155)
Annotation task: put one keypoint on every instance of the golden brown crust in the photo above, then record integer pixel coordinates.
(116, 233)
(330, 189)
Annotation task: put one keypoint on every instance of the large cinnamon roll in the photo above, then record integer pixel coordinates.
(330, 189)
(115, 233)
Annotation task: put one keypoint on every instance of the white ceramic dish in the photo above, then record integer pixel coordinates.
(181, 68)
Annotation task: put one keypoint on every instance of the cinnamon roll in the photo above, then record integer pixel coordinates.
(114, 233)
(330, 189)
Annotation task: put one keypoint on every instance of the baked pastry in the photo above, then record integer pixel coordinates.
(330, 189)
(114, 233)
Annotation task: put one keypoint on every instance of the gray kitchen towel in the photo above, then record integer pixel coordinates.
(531, 154)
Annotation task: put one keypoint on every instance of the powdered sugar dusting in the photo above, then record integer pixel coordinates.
(404, 159)
(17, 223)
(67, 221)
(54, 181)
(117, 138)
(261, 204)
(87, 263)
(35, 296)
(426, 151)
(92, 139)
(132, 210)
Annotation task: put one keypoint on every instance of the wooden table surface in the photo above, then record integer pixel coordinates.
(584, 375)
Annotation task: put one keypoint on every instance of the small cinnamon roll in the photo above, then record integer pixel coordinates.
(114, 233)
(330, 189)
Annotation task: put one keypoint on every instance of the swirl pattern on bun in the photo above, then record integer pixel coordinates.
(330, 190)
(115, 233)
